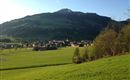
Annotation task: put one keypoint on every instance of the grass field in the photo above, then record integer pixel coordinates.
(26, 57)
(113, 68)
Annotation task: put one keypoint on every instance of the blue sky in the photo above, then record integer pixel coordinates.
(13, 9)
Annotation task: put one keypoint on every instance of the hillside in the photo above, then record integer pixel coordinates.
(61, 24)
(112, 68)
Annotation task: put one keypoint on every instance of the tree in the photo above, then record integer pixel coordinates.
(85, 56)
(76, 57)
(124, 39)
(105, 43)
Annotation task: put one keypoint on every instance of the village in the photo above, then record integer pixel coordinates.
(46, 45)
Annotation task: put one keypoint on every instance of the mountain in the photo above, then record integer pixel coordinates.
(64, 11)
(61, 24)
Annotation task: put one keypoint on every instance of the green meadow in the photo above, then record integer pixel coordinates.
(26, 57)
(25, 64)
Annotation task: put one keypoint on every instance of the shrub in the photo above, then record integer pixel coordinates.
(91, 53)
(85, 54)
(76, 57)
(36, 48)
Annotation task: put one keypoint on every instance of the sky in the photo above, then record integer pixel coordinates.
(14, 9)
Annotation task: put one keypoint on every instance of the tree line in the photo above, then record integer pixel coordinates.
(108, 43)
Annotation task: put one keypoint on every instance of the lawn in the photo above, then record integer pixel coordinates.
(26, 57)
(113, 68)
(57, 65)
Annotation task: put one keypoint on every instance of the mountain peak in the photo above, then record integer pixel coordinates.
(65, 10)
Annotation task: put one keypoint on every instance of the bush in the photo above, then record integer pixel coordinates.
(76, 58)
(36, 48)
(85, 56)
(81, 45)
(91, 53)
